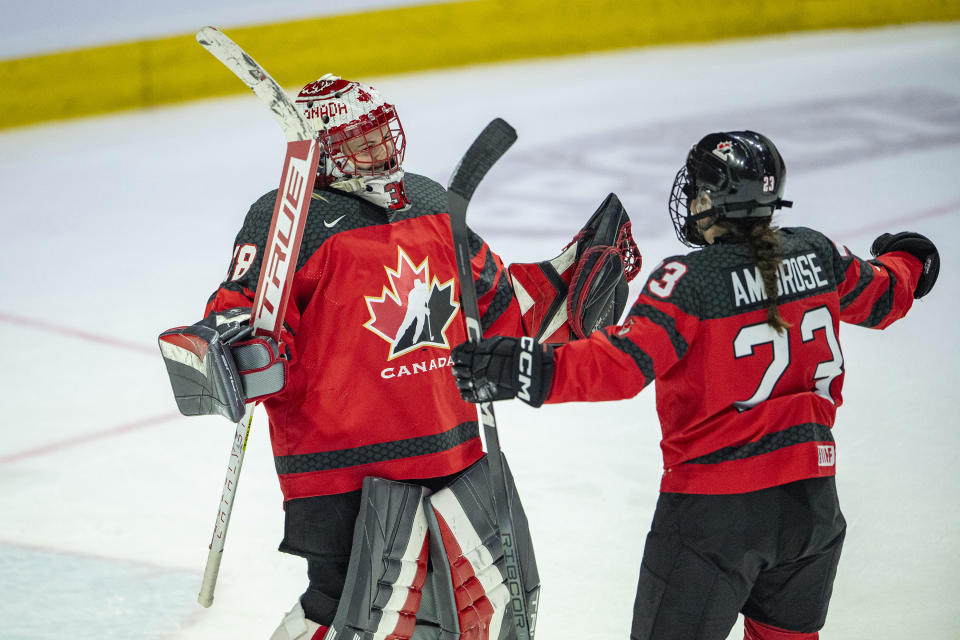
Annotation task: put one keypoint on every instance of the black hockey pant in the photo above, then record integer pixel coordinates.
(771, 555)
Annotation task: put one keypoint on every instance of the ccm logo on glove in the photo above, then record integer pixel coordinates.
(501, 368)
(525, 368)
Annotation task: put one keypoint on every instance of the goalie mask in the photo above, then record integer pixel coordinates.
(361, 139)
(728, 175)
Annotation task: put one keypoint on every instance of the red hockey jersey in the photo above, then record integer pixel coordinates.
(741, 407)
(373, 313)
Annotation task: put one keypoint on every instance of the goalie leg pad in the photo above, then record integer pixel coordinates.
(388, 564)
(467, 557)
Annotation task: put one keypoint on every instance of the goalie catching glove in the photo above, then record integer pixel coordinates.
(585, 288)
(502, 368)
(216, 366)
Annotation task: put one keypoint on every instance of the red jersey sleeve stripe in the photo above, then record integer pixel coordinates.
(666, 322)
(595, 369)
(488, 274)
(495, 294)
(498, 305)
(475, 243)
(863, 279)
(883, 292)
(228, 296)
(884, 305)
(640, 357)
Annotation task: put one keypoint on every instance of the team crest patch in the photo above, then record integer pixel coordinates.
(724, 150)
(414, 308)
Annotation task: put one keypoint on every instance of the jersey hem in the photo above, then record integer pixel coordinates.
(783, 466)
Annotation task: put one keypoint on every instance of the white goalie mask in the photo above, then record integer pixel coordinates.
(361, 139)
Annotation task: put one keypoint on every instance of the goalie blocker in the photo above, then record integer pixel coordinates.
(216, 366)
(428, 566)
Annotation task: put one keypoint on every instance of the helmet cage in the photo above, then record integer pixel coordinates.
(685, 222)
(373, 145)
(361, 138)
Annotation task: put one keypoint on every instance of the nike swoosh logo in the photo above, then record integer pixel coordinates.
(329, 224)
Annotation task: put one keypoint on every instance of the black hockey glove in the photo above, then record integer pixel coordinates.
(502, 368)
(919, 247)
(216, 366)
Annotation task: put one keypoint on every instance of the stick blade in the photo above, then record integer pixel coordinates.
(294, 123)
(493, 142)
(206, 35)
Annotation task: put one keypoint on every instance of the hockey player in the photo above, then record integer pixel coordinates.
(379, 459)
(741, 337)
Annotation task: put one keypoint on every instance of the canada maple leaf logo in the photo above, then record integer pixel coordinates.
(412, 310)
(724, 150)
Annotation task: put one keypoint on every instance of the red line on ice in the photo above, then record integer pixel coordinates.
(878, 227)
(33, 323)
(87, 438)
(889, 225)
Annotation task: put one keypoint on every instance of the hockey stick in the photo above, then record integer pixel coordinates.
(279, 260)
(492, 143)
(293, 123)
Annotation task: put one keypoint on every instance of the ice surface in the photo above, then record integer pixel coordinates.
(119, 227)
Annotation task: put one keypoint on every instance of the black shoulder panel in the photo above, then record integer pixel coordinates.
(429, 197)
(675, 280)
(720, 280)
(801, 240)
(332, 212)
(425, 195)
(256, 227)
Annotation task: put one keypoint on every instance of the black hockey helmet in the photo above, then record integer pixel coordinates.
(732, 175)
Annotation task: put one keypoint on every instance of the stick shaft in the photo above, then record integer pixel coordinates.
(489, 146)
(279, 258)
(227, 498)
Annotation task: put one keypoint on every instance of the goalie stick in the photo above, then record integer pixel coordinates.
(279, 260)
(493, 142)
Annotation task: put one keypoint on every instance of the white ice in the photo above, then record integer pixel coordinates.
(116, 228)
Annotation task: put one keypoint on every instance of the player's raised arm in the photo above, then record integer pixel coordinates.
(875, 293)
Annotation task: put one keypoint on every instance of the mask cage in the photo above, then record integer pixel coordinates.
(685, 224)
(372, 146)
